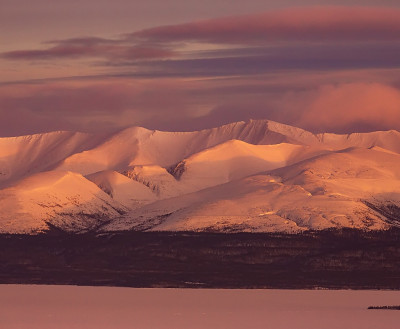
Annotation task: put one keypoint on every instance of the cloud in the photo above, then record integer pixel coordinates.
(256, 61)
(353, 107)
(340, 108)
(112, 50)
(294, 24)
(158, 62)
(285, 29)
(321, 68)
(315, 101)
(76, 105)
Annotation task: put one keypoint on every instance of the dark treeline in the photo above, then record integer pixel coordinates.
(328, 259)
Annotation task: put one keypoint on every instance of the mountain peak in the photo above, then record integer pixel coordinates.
(256, 175)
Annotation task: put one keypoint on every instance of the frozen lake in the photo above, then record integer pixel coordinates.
(70, 307)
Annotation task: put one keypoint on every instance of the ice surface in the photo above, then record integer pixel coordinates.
(69, 307)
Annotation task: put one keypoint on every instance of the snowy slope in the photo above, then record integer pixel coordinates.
(141, 147)
(23, 156)
(233, 160)
(255, 204)
(330, 190)
(258, 175)
(161, 182)
(64, 199)
(120, 188)
(86, 154)
(389, 140)
(217, 165)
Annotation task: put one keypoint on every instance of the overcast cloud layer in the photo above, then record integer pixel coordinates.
(323, 68)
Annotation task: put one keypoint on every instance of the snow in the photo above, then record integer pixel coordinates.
(23, 156)
(235, 159)
(157, 179)
(140, 147)
(258, 175)
(64, 199)
(237, 205)
(388, 140)
(35, 307)
(321, 192)
(127, 192)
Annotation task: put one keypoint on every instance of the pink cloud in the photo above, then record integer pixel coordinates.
(89, 105)
(114, 50)
(324, 23)
(348, 106)
(306, 23)
(317, 102)
(93, 97)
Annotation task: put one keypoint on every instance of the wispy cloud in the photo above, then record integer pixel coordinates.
(305, 30)
(296, 24)
(263, 60)
(91, 47)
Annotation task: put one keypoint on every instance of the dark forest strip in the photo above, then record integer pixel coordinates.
(328, 259)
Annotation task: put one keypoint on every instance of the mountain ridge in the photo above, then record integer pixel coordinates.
(136, 170)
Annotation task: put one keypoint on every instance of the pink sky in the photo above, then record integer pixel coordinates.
(187, 65)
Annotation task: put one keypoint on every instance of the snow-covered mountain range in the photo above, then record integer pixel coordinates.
(258, 176)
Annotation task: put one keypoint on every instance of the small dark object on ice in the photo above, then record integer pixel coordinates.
(396, 307)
